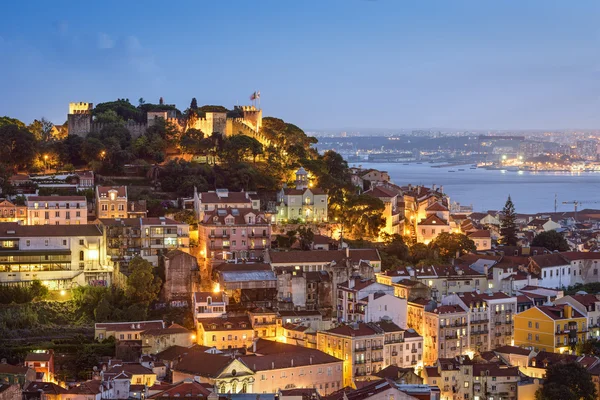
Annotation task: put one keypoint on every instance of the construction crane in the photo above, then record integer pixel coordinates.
(577, 203)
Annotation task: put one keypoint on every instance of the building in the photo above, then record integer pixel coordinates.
(43, 390)
(10, 392)
(550, 328)
(553, 270)
(159, 339)
(111, 201)
(380, 305)
(184, 388)
(149, 238)
(264, 323)
(222, 198)
(234, 233)
(16, 374)
(248, 284)
(209, 305)
(42, 362)
(587, 305)
(444, 333)
(182, 277)
(10, 212)
(368, 348)
(125, 330)
(482, 239)
(394, 216)
(225, 332)
(56, 210)
(302, 203)
(60, 256)
(351, 293)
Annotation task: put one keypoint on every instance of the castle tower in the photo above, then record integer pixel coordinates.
(79, 119)
(301, 179)
(252, 116)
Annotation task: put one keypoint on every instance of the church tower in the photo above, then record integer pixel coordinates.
(301, 179)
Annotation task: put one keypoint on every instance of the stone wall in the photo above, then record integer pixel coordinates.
(79, 124)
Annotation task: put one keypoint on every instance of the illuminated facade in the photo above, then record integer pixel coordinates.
(304, 203)
(56, 210)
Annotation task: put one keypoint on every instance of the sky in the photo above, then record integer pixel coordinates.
(321, 64)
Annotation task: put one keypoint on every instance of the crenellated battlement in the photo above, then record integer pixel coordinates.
(81, 108)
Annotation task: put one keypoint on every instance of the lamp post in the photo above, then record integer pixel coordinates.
(45, 163)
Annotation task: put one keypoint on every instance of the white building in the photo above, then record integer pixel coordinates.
(56, 210)
(554, 271)
(589, 306)
(351, 306)
(222, 198)
(209, 305)
(304, 202)
(380, 305)
(61, 257)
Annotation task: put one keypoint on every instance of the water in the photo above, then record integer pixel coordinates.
(531, 192)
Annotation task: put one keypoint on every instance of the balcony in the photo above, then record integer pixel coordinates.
(377, 347)
(360, 349)
(360, 361)
(392, 341)
(377, 359)
(360, 373)
(413, 350)
(498, 334)
(394, 353)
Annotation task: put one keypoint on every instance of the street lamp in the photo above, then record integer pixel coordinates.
(102, 154)
(45, 162)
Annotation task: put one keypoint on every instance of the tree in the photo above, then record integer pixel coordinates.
(18, 145)
(194, 104)
(104, 311)
(450, 245)
(552, 240)
(42, 130)
(191, 141)
(419, 252)
(362, 216)
(37, 290)
(141, 102)
(567, 381)
(306, 236)
(508, 224)
(142, 284)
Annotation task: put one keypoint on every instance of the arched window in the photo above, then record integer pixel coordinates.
(81, 255)
(209, 300)
(234, 387)
(222, 390)
(244, 387)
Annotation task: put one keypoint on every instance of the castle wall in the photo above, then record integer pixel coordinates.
(79, 124)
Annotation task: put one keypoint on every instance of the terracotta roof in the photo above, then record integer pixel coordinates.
(46, 356)
(491, 369)
(433, 220)
(55, 199)
(46, 388)
(174, 352)
(450, 309)
(200, 297)
(359, 329)
(295, 327)
(228, 267)
(544, 359)
(550, 260)
(480, 234)
(13, 369)
(230, 198)
(554, 312)
(394, 372)
(221, 324)
(380, 192)
(88, 387)
(203, 364)
(512, 350)
(298, 192)
(186, 388)
(219, 215)
(437, 206)
(103, 190)
(129, 369)
(410, 333)
(432, 372)
(359, 284)
(127, 326)
(281, 355)
(585, 299)
(6, 229)
(171, 330)
(579, 255)
(388, 326)
(322, 239)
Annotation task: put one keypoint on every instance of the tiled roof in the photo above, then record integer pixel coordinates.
(380, 192)
(6, 229)
(174, 352)
(433, 220)
(276, 355)
(394, 372)
(13, 369)
(450, 309)
(121, 190)
(437, 206)
(219, 215)
(359, 329)
(186, 388)
(585, 299)
(201, 297)
(171, 330)
(359, 284)
(55, 199)
(512, 350)
(579, 255)
(550, 260)
(221, 324)
(231, 198)
(432, 372)
(299, 192)
(388, 326)
(555, 312)
(88, 387)
(129, 326)
(492, 369)
(480, 234)
(45, 387)
(46, 356)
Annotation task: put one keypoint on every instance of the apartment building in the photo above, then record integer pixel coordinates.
(125, 330)
(60, 256)
(587, 305)
(225, 332)
(304, 202)
(222, 198)
(111, 201)
(550, 328)
(351, 293)
(460, 378)
(146, 237)
(368, 348)
(234, 233)
(445, 333)
(10, 212)
(56, 210)
(209, 305)
(490, 318)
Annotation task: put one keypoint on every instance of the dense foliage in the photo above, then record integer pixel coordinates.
(508, 224)
(552, 240)
(567, 381)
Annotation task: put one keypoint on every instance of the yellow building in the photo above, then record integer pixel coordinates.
(225, 332)
(550, 328)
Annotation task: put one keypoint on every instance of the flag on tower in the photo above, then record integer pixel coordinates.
(258, 94)
(253, 96)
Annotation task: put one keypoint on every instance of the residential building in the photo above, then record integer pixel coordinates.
(42, 362)
(89, 390)
(16, 374)
(553, 270)
(482, 239)
(393, 215)
(264, 323)
(149, 238)
(550, 328)
(225, 332)
(10, 392)
(135, 373)
(234, 233)
(303, 203)
(350, 294)
(158, 339)
(445, 333)
(209, 305)
(368, 348)
(405, 286)
(380, 305)
(43, 390)
(587, 305)
(125, 330)
(312, 319)
(10, 212)
(222, 198)
(56, 210)
(61, 256)
(111, 201)
(251, 284)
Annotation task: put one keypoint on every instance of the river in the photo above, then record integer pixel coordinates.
(531, 192)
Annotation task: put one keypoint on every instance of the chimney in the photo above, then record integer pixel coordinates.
(568, 311)
(292, 363)
(272, 364)
(351, 283)
(347, 252)
(310, 360)
(254, 345)
(485, 269)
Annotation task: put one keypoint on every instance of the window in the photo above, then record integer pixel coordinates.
(537, 325)
(45, 242)
(81, 258)
(529, 324)
(64, 242)
(81, 242)
(28, 243)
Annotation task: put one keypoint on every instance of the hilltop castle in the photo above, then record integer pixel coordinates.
(246, 120)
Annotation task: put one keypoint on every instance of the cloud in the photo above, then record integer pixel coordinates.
(105, 41)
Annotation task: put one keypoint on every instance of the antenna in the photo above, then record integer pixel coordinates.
(555, 202)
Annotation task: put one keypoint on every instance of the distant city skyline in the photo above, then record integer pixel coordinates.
(322, 65)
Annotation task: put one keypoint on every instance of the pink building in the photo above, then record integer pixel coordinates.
(234, 233)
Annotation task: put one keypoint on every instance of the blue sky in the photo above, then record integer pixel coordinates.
(322, 64)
